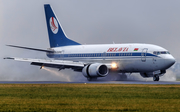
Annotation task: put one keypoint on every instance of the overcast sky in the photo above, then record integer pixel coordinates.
(23, 23)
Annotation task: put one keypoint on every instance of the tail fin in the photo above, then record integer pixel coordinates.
(57, 37)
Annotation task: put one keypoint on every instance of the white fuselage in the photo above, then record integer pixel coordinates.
(128, 57)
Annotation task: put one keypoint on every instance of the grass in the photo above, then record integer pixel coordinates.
(89, 97)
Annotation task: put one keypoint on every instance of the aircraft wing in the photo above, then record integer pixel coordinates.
(60, 64)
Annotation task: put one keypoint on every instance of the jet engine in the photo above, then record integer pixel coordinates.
(95, 70)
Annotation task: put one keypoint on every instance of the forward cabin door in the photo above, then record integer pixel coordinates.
(143, 54)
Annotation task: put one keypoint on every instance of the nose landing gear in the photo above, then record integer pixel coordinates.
(156, 78)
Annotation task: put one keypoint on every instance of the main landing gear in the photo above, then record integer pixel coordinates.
(156, 78)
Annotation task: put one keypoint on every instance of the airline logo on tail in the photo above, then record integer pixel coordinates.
(54, 25)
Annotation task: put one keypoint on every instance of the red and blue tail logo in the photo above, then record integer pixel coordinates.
(54, 25)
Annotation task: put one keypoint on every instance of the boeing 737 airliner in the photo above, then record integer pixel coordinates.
(98, 60)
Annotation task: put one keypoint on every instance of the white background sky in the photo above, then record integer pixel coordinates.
(22, 22)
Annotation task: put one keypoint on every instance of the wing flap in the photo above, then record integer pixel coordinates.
(60, 64)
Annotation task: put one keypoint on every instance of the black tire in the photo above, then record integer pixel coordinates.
(156, 78)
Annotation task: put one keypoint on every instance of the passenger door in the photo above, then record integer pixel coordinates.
(143, 54)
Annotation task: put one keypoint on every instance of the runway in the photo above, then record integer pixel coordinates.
(90, 82)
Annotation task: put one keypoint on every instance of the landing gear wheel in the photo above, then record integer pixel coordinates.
(156, 78)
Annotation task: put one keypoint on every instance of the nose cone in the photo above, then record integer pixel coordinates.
(170, 60)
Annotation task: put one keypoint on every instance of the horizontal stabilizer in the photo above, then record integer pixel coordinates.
(42, 50)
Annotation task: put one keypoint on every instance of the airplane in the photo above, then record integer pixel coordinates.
(99, 60)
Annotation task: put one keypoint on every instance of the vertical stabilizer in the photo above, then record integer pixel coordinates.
(57, 37)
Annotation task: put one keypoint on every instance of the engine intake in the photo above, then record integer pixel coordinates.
(95, 70)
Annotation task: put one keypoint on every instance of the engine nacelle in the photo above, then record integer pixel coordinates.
(95, 70)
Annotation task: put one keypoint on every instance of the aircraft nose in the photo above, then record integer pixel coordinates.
(170, 60)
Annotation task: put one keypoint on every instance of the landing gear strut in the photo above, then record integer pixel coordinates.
(156, 78)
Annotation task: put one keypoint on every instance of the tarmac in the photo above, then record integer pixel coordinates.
(91, 82)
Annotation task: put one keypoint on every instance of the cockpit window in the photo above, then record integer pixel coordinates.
(163, 52)
(155, 52)
(160, 52)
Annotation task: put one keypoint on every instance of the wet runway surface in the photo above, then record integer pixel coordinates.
(90, 82)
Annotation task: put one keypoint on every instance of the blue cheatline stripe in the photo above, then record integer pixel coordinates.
(97, 55)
